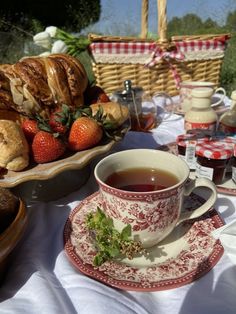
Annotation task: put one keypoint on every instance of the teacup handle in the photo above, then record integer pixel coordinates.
(167, 113)
(219, 89)
(199, 182)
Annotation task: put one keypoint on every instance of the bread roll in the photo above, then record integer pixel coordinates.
(13, 146)
(115, 112)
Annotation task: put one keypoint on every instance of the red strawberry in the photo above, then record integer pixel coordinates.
(46, 147)
(60, 120)
(85, 132)
(30, 128)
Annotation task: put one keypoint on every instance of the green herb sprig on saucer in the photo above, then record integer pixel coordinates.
(109, 242)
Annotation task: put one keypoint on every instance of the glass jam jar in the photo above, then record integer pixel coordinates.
(186, 145)
(212, 160)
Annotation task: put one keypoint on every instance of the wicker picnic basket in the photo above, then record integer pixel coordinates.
(156, 65)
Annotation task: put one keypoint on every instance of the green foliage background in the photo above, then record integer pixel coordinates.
(16, 41)
(191, 24)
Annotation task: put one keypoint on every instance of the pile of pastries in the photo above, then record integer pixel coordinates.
(39, 86)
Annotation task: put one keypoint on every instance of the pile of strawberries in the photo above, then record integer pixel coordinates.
(65, 130)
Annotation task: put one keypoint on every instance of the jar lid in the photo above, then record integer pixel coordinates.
(229, 140)
(214, 150)
(184, 139)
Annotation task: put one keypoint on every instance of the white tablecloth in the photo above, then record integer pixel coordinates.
(42, 280)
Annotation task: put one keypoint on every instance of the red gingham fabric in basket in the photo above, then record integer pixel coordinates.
(146, 47)
(214, 150)
(122, 47)
(196, 45)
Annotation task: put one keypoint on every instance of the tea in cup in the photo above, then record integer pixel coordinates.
(186, 88)
(145, 188)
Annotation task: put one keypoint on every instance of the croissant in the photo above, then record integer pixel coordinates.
(41, 84)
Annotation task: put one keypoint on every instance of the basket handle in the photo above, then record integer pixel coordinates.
(162, 20)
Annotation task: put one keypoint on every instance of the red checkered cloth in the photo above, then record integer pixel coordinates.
(198, 45)
(122, 47)
(149, 47)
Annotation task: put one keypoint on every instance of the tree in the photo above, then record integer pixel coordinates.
(187, 25)
(231, 21)
(191, 24)
(209, 23)
(72, 15)
(174, 25)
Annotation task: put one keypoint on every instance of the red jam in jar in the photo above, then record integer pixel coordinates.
(212, 160)
(186, 146)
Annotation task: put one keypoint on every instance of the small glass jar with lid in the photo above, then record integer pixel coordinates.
(186, 147)
(212, 160)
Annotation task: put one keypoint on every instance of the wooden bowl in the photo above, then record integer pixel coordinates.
(11, 236)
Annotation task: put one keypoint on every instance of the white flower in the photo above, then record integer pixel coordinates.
(43, 39)
(45, 54)
(51, 30)
(59, 47)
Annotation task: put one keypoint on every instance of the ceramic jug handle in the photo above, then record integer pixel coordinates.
(220, 89)
(168, 113)
(193, 184)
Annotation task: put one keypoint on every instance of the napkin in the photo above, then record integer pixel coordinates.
(227, 237)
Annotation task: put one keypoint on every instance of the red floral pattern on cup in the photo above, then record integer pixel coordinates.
(142, 216)
(195, 253)
(152, 214)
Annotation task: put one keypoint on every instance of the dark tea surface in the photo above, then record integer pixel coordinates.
(141, 179)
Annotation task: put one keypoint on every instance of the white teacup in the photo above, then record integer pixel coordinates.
(151, 214)
(186, 88)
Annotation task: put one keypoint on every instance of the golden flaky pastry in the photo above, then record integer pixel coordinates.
(13, 146)
(39, 85)
(115, 113)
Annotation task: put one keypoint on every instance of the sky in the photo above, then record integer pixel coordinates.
(121, 16)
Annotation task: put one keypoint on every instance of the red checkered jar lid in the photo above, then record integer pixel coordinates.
(184, 139)
(229, 139)
(214, 150)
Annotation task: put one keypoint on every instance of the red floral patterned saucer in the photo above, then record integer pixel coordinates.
(185, 255)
